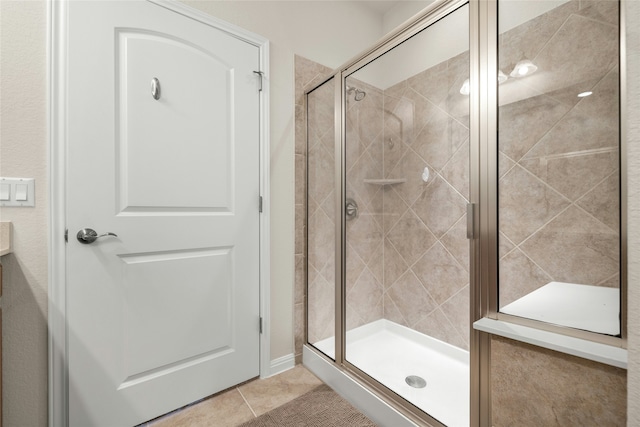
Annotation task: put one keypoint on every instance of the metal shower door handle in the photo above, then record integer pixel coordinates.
(88, 235)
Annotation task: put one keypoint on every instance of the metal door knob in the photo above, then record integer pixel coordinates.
(88, 235)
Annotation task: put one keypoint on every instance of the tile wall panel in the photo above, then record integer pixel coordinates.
(426, 252)
(559, 155)
(532, 386)
(308, 73)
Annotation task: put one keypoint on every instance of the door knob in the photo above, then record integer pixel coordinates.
(88, 235)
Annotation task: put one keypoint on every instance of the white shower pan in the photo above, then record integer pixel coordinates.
(390, 353)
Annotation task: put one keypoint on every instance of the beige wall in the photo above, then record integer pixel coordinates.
(633, 168)
(23, 139)
(291, 27)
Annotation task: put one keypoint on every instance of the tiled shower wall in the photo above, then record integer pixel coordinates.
(426, 252)
(559, 208)
(407, 252)
(307, 74)
(364, 253)
(559, 158)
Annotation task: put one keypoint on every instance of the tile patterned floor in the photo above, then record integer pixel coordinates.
(242, 403)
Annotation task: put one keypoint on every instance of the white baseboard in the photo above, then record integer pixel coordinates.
(280, 364)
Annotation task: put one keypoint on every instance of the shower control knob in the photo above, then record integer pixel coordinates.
(88, 235)
(351, 208)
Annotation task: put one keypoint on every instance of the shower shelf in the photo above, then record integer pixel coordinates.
(385, 181)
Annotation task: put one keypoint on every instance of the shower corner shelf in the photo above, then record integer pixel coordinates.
(385, 181)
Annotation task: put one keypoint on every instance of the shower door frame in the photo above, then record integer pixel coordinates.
(483, 226)
(489, 184)
(479, 349)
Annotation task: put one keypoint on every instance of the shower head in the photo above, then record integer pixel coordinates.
(359, 93)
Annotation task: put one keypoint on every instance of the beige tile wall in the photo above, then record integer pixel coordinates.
(426, 252)
(407, 252)
(321, 229)
(559, 157)
(364, 250)
(533, 387)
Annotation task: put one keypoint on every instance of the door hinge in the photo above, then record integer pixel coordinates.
(66, 235)
(260, 77)
(260, 204)
(471, 229)
(260, 325)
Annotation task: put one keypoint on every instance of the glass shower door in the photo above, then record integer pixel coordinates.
(559, 202)
(407, 254)
(321, 244)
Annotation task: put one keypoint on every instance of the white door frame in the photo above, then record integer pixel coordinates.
(57, 12)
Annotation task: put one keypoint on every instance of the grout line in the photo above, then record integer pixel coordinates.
(543, 225)
(513, 245)
(572, 108)
(526, 255)
(246, 402)
(608, 278)
(458, 263)
(513, 165)
(398, 309)
(555, 33)
(608, 24)
(456, 293)
(551, 128)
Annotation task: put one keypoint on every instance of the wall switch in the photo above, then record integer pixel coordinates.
(5, 192)
(17, 192)
(21, 192)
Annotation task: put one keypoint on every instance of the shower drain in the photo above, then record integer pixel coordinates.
(415, 381)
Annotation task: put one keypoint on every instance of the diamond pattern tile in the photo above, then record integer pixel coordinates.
(439, 206)
(526, 204)
(411, 298)
(411, 237)
(575, 248)
(440, 274)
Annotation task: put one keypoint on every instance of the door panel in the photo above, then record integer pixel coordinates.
(153, 286)
(167, 312)
(190, 81)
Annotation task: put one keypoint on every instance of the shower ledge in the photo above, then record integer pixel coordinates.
(385, 181)
(591, 350)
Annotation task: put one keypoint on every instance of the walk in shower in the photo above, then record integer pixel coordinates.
(406, 253)
(393, 252)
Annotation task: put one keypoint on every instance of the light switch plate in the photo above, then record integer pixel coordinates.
(21, 192)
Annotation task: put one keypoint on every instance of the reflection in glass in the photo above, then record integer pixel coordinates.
(321, 217)
(407, 256)
(558, 163)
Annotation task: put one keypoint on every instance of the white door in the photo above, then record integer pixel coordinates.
(167, 312)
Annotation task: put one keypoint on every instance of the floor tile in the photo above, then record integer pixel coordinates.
(267, 394)
(224, 410)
